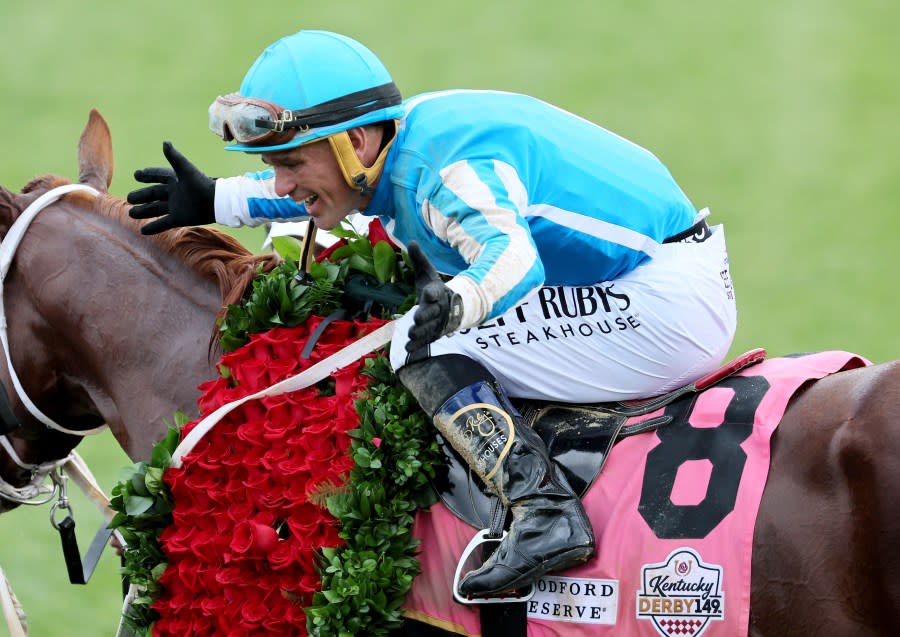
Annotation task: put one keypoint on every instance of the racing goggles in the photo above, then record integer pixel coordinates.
(248, 120)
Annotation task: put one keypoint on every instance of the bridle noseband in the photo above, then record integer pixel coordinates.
(35, 492)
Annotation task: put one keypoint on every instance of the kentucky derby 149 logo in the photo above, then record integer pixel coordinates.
(681, 595)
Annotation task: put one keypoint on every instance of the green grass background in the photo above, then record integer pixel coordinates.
(782, 116)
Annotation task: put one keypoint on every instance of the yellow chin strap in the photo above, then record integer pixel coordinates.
(355, 174)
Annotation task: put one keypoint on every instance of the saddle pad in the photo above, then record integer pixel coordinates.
(673, 512)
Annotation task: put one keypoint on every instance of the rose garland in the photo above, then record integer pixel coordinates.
(295, 513)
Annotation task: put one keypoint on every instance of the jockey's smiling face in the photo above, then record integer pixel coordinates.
(310, 175)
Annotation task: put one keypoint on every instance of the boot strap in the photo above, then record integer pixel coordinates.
(498, 518)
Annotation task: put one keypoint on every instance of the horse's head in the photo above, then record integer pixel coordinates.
(105, 327)
(30, 450)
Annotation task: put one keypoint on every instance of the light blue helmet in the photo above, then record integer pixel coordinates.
(327, 82)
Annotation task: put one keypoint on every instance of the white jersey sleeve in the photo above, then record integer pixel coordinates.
(250, 200)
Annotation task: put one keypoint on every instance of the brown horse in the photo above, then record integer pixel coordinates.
(107, 326)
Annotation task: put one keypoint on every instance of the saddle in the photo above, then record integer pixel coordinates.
(579, 438)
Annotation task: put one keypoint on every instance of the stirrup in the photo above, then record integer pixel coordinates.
(518, 595)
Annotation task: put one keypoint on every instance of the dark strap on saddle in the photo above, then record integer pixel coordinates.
(8, 420)
(697, 233)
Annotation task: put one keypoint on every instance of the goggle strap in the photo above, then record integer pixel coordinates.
(337, 110)
(355, 174)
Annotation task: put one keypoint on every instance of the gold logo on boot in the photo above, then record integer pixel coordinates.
(486, 421)
(481, 423)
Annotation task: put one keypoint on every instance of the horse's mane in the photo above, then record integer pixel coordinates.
(215, 255)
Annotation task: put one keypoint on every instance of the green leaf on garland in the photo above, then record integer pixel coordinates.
(362, 264)
(160, 456)
(385, 261)
(153, 479)
(136, 504)
(287, 247)
(333, 597)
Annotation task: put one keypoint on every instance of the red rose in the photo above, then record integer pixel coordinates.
(282, 344)
(253, 538)
(327, 252)
(378, 233)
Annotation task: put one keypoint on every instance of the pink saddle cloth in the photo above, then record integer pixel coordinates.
(673, 512)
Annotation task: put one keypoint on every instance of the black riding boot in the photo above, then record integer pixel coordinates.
(550, 530)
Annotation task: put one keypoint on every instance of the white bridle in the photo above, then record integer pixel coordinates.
(36, 491)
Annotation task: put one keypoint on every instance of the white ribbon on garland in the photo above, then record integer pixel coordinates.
(310, 376)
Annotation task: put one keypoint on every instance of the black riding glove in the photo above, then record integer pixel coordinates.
(183, 197)
(440, 308)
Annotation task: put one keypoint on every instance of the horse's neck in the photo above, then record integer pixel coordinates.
(122, 328)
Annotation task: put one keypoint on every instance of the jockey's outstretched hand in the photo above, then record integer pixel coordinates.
(182, 196)
(439, 308)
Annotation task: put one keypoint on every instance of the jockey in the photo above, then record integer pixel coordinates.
(574, 267)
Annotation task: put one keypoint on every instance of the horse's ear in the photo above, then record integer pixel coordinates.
(95, 158)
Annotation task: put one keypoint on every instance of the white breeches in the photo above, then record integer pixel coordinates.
(666, 323)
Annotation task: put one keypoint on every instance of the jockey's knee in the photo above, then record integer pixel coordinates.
(433, 379)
